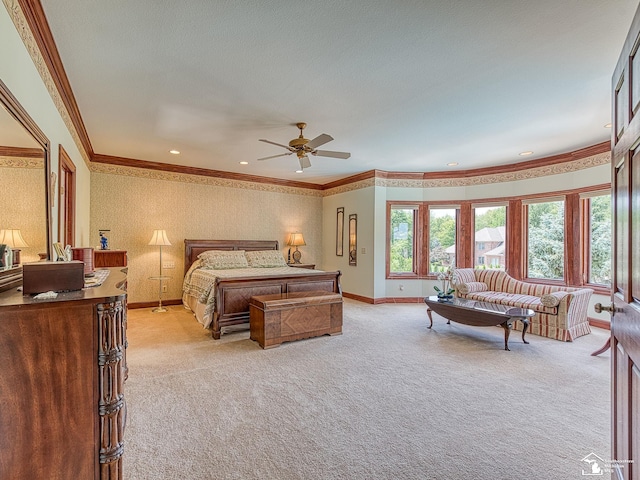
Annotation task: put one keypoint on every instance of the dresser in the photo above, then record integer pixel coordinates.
(63, 368)
(110, 258)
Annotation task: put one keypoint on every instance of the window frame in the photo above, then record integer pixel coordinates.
(567, 237)
(515, 232)
(417, 227)
(474, 207)
(427, 245)
(585, 244)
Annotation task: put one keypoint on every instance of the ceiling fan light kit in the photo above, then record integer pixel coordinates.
(302, 147)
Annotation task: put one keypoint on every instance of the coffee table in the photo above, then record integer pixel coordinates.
(479, 314)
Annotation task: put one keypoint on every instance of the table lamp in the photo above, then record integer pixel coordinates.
(13, 239)
(296, 240)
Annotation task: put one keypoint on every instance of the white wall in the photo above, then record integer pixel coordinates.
(359, 279)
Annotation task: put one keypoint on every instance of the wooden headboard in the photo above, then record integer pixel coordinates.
(193, 248)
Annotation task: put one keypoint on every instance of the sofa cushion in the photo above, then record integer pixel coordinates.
(471, 287)
(513, 300)
(552, 299)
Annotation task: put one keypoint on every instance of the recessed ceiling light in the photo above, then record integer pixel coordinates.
(452, 164)
(298, 171)
(608, 125)
(174, 152)
(524, 154)
(244, 163)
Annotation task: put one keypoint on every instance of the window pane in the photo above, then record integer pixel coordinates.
(442, 239)
(489, 243)
(401, 248)
(546, 240)
(600, 241)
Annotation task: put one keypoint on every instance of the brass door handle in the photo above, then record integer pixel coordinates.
(599, 308)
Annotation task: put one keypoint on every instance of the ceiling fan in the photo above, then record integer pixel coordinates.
(302, 147)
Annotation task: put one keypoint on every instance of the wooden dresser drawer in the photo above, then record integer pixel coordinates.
(110, 258)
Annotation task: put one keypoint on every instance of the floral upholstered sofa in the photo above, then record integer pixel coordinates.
(561, 312)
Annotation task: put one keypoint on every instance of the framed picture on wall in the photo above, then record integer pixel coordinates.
(340, 232)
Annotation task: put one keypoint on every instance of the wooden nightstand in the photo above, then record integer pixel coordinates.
(110, 258)
(303, 265)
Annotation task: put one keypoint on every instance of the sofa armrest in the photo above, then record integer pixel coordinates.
(573, 306)
(469, 287)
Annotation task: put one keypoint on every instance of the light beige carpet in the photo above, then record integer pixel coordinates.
(388, 399)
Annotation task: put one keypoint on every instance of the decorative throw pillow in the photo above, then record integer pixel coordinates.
(265, 259)
(471, 287)
(223, 259)
(462, 275)
(552, 299)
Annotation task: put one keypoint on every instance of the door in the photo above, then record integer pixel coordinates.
(66, 198)
(625, 306)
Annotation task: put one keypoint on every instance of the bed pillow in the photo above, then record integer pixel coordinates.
(223, 259)
(265, 259)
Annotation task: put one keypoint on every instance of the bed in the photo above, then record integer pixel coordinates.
(220, 298)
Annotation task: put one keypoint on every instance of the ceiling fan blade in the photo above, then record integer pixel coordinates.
(274, 143)
(328, 153)
(319, 140)
(304, 162)
(275, 156)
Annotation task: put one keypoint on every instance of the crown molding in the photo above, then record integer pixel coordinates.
(21, 152)
(205, 172)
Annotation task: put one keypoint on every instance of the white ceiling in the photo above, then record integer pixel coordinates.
(405, 86)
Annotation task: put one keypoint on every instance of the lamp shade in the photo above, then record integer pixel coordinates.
(13, 238)
(159, 237)
(296, 240)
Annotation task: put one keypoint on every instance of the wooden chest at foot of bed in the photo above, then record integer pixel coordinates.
(284, 317)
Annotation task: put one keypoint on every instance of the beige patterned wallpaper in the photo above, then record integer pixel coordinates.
(131, 207)
(22, 188)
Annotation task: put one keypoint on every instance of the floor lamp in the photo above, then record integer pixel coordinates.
(160, 239)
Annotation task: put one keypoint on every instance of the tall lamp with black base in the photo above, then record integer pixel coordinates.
(160, 239)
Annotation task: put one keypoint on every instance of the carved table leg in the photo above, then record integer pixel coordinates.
(525, 322)
(507, 330)
(604, 348)
(430, 318)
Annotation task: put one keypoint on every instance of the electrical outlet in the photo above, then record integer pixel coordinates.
(168, 264)
(164, 289)
(363, 250)
(401, 287)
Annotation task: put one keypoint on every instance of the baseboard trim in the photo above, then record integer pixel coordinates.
(401, 300)
(379, 301)
(135, 305)
(359, 298)
(596, 322)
